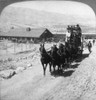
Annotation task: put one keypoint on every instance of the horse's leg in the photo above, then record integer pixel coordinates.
(50, 66)
(69, 60)
(64, 63)
(59, 66)
(63, 66)
(54, 66)
(45, 69)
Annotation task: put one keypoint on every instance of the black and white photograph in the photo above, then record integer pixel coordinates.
(47, 50)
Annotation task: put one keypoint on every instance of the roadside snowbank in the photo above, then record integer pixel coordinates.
(81, 85)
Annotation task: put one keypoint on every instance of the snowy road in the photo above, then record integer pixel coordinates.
(77, 83)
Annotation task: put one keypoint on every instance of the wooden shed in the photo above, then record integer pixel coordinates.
(58, 37)
(27, 34)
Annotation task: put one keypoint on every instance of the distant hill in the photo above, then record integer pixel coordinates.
(25, 17)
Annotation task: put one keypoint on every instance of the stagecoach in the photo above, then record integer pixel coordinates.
(65, 53)
(75, 38)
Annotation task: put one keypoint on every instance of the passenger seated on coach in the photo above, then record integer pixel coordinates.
(68, 29)
(55, 47)
(79, 31)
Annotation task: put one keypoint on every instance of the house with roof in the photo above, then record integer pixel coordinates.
(27, 34)
(89, 36)
(59, 37)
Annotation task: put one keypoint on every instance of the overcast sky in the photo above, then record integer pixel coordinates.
(64, 7)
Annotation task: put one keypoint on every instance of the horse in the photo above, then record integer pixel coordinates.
(68, 53)
(45, 58)
(61, 52)
(56, 60)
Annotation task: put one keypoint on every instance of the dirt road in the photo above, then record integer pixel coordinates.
(77, 82)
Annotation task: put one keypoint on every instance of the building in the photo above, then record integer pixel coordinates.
(35, 34)
(89, 36)
(59, 37)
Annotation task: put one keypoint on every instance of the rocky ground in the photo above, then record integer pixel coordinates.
(28, 83)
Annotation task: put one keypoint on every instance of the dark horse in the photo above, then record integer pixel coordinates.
(62, 54)
(45, 58)
(56, 60)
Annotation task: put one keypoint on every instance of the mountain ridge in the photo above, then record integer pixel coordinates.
(12, 16)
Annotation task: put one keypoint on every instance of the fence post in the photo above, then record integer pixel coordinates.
(26, 46)
(14, 48)
(6, 48)
(21, 47)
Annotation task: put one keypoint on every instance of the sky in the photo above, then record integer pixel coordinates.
(63, 7)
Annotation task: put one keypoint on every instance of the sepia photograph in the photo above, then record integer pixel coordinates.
(47, 50)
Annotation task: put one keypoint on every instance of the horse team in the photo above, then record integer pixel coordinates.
(61, 56)
(64, 54)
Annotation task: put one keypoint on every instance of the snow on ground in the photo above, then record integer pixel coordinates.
(24, 55)
(77, 82)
